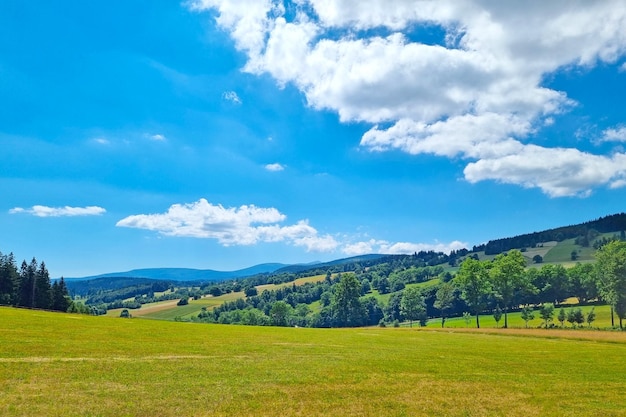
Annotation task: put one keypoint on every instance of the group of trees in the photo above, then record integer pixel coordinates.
(505, 282)
(29, 286)
(583, 232)
(501, 285)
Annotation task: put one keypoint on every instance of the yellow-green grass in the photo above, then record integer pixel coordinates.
(168, 310)
(384, 298)
(61, 364)
(541, 250)
(298, 281)
(602, 321)
(563, 252)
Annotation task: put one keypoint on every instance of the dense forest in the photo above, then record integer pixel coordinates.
(583, 232)
(29, 286)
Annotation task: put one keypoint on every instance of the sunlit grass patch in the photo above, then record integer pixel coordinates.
(60, 364)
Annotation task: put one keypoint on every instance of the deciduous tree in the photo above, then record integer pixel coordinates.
(473, 280)
(412, 304)
(547, 313)
(527, 315)
(611, 272)
(444, 299)
(347, 308)
(507, 275)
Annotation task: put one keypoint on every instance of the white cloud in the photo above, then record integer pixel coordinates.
(274, 167)
(477, 94)
(399, 248)
(231, 96)
(558, 172)
(616, 134)
(102, 141)
(67, 211)
(157, 137)
(359, 248)
(250, 225)
(245, 225)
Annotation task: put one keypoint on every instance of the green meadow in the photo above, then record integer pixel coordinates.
(62, 364)
(602, 321)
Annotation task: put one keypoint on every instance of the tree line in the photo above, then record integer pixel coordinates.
(506, 283)
(497, 286)
(583, 232)
(30, 286)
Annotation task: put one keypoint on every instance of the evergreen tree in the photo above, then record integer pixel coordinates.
(9, 279)
(26, 296)
(43, 291)
(60, 296)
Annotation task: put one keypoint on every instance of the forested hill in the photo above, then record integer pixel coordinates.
(188, 274)
(612, 223)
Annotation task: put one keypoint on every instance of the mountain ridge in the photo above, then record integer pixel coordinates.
(187, 274)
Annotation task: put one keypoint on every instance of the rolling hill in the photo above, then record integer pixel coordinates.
(188, 274)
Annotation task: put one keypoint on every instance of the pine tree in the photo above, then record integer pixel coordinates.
(60, 297)
(43, 291)
(26, 296)
(8, 279)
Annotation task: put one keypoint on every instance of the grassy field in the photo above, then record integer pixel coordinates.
(298, 281)
(168, 310)
(562, 253)
(603, 319)
(61, 364)
(384, 298)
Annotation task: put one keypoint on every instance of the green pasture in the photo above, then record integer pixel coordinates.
(562, 253)
(168, 310)
(384, 298)
(602, 321)
(57, 364)
(297, 281)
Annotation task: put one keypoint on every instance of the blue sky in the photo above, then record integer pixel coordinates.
(222, 134)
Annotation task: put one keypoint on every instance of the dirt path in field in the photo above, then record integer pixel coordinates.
(146, 309)
(580, 334)
(154, 308)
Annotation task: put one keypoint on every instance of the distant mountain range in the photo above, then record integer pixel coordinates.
(189, 274)
(611, 223)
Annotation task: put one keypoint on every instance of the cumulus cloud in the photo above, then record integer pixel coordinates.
(558, 172)
(67, 211)
(616, 134)
(476, 93)
(399, 248)
(231, 96)
(251, 225)
(275, 167)
(245, 225)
